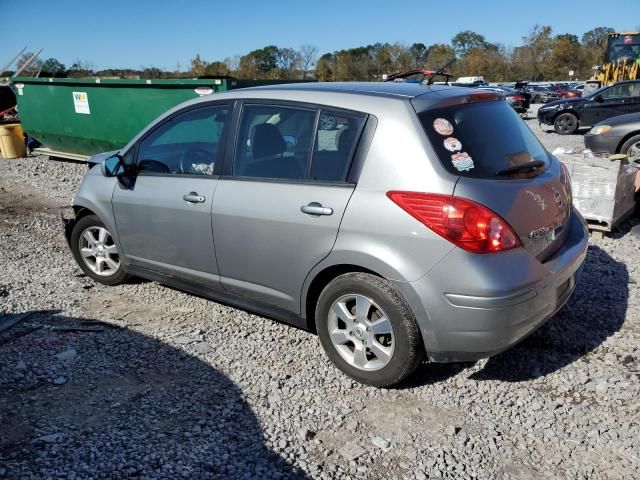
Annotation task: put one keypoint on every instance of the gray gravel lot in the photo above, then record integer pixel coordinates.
(143, 381)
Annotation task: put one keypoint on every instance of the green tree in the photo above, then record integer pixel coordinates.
(197, 66)
(594, 44)
(217, 69)
(53, 68)
(534, 55)
(418, 53)
(463, 42)
(566, 55)
(439, 55)
(324, 67)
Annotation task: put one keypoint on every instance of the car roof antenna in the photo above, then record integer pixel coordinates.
(440, 72)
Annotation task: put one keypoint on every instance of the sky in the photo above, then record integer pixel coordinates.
(162, 33)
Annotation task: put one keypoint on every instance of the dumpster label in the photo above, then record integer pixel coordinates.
(81, 102)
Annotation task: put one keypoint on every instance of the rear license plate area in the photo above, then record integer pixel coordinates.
(564, 290)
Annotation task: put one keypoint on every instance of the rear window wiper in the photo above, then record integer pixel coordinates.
(523, 167)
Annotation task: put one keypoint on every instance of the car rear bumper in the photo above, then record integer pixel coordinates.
(474, 306)
(601, 143)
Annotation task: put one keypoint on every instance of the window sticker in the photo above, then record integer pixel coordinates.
(452, 144)
(442, 126)
(462, 161)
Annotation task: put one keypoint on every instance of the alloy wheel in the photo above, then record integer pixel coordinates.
(361, 332)
(634, 152)
(98, 251)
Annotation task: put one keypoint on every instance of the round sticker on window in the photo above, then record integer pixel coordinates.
(452, 144)
(462, 161)
(442, 126)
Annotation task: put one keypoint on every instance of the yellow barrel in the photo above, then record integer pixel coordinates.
(12, 141)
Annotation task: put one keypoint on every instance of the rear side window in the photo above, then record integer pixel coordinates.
(336, 141)
(274, 142)
(482, 138)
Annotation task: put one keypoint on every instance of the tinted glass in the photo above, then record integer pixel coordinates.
(336, 141)
(274, 142)
(187, 144)
(482, 138)
(622, 91)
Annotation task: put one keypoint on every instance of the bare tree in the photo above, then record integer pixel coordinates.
(308, 55)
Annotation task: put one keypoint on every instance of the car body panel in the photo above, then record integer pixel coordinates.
(250, 245)
(537, 208)
(623, 127)
(589, 109)
(266, 245)
(165, 233)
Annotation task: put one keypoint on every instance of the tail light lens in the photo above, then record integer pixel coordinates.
(467, 224)
(518, 98)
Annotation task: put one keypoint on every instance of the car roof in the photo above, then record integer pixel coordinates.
(385, 89)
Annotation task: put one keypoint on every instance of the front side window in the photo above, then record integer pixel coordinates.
(190, 143)
(274, 141)
(336, 141)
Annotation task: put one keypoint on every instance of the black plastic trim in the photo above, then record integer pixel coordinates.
(221, 296)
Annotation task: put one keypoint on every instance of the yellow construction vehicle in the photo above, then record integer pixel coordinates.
(622, 59)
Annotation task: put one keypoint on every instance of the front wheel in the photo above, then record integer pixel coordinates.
(95, 251)
(565, 124)
(632, 148)
(367, 330)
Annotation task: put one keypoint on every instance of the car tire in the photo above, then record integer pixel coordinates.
(537, 99)
(95, 252)
(632, 148)
(565, 124)
(375, 338)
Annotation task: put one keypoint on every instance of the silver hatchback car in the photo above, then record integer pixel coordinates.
(395, 220)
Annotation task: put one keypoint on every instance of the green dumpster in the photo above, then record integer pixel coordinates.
(79, 117)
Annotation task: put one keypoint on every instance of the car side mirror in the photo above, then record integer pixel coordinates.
(598, 98)
(113, 166)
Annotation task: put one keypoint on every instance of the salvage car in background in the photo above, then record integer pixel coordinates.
(541, 94)
(519, 101)
(619, 134)
(432, 222)
(569, 114)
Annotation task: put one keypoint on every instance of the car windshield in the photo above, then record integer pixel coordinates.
(481, 139)
(623, 48)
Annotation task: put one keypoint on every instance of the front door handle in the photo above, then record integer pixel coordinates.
(315, 208)
(193, 197)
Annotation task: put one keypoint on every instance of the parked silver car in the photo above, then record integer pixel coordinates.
(424, 220)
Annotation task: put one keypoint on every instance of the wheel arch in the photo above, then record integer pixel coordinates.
(625, 139)
(317, 282)
(569, 110)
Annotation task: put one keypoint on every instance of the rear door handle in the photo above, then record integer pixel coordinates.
(315, 208)
(193, 197)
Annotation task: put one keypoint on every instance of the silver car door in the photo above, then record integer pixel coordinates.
(164, 219)
(278, 215)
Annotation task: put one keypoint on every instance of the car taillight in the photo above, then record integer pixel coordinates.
(465, 223)
(518, 98)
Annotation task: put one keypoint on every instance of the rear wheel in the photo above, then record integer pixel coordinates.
(367, 329)
(537, 99)
(632, 148)
(565, 124)
(95, 251)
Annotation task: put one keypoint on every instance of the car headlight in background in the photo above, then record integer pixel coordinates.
(600, 129)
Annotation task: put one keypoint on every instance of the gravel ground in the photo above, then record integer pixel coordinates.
(143, 381)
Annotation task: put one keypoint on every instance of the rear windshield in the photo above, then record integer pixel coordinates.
(480, 139)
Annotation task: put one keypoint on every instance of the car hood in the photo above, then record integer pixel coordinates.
(631, 120)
